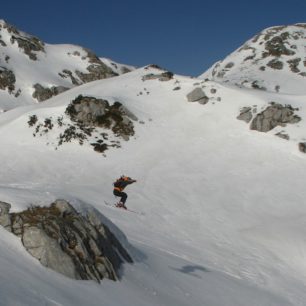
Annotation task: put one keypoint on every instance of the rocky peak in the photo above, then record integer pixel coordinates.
(259, 63)
(47, 69)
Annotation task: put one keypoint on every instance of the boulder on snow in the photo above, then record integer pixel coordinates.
(44, 93)
(272, 116)
(245, 114)
(302, 147)
(94, 112)
(62, 239)
(197, 95)
(7, 79)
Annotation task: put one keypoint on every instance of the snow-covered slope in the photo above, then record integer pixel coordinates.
(223, 206)
(273, 60)
(32, 71)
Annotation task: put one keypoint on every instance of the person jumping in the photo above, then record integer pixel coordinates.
(119, 185)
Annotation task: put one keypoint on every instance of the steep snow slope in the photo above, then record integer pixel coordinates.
(273, 60)
(223, 205)
(32, 71)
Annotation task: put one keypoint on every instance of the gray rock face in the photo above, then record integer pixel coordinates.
(197, 95)
(272, 116)
(7, 79)
(245, 114)
(90, 111)
(302, 147)
(62, 239)
(28, 43)
(42, 93)
(4, 215)
(164, 76)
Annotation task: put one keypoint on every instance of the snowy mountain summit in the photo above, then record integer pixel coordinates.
(32, 71)
(274, 60)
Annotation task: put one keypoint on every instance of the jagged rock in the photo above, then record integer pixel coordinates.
(165, 76)
(7, 79)
(77, 246)
(275, 64)
(282, 135)
(245, 114)
(68, 74)
(5, 220)
(42, 93)
(90, 111)
(302, 147)
(28, 43)
(272, 116)
(96, 72)
(197, 95)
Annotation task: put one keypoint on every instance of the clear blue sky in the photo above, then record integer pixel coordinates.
(186, 37)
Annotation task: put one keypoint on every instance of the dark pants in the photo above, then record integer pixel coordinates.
(120, 194)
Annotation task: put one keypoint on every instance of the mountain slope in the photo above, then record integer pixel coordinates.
(222, 221)
(273, 60)
(32, 71)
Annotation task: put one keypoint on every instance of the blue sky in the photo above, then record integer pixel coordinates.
(186, 37)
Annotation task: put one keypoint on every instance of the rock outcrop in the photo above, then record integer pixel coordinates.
(274, 115)
(197, 95)
(42, 93)
(62, 239)
(93, 112)
(302, 147)
(267, 61)
(31, 70)
(7, 79)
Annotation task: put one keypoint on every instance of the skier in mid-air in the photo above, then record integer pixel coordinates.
(119, 185)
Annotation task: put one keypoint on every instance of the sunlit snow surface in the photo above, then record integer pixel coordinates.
(223, 207)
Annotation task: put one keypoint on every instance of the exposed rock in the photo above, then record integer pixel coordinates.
(42, 93)
(90, 111)
(272, 116)
(68, 74)
(294, 63)
(7, 79)
(245, 114)
(96, 72)
(28, 43)
(282, 135)
(302, 147)
(276, 46)
(197, 95)
(165, 76)
(5, 220)
(275, 64)
(60, 238)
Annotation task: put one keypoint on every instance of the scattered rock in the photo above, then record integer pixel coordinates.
(302, 147)
(272, 116)
(7, 79)
(282, 135)
(90, 111)
(245, 114)
(276, 64)
(62, 239)
(197, 95)
(165, 76)
(42, 93)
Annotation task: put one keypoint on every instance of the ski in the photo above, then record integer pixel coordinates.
(126, 209)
